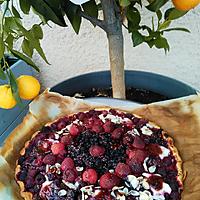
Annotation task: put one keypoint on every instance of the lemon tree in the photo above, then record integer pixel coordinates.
(109, 15)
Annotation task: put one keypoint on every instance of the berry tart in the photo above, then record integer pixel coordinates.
(100, 155)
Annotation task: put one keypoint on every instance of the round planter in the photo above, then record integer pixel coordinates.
(156, 83)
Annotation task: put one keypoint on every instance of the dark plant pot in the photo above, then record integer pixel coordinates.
(159, 87)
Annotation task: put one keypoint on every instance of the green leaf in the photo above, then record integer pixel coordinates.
(137, 38)
(37, 31)
(15, 12)
(124, 3)
(176, 29)
(72, 12)
(33, 41)
(162, 43)
(25, 6)
(156, 5)
(133, 15)
(9, 40)
(2, 48)
(14, 87)
(48, 13)
(90, 8)
(159, 15)
(173, 13)
(2, 75)
(27, 48)
(24, 58)
(164, 25)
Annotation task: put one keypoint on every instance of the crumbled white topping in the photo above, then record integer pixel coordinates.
(145, 184)
(159, 193)
(145, 195)
(70, 185)
(115, 119)
(133, 181)
(57, 136)
(165, 152)
(146, 131)
(111, 170)
(145, 164)
(134, 193)
(133, 132)
(152, 169)
(79, 169)
(62, 193)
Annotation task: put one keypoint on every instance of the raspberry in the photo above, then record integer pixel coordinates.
(138, 143)
(127, 139)
(154, 149)
(122, 170)
(56, 148)
(97, 128)
(74, 130)
(137, 155)
(70, 175)
(96, 150)
(90, 176)
(67, 163)
(61, 124)
(117, 133)
(108, 126)
(108, 181)
(49, 159)
(66, 139)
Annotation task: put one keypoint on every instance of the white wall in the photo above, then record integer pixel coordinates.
(71, 55)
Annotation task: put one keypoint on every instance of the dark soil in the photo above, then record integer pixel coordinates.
(132, 94)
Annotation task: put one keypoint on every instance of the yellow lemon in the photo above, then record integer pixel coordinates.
(185, 5)
(7, 101)
(29, 87)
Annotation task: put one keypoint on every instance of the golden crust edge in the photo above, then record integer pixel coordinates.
(175, 152)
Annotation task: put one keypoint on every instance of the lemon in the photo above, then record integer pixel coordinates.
(185, 5)
(7, 101)
(28, 86)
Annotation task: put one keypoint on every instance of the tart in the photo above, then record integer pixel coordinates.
(100, 155)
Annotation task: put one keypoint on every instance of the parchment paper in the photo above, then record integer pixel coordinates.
(179, 117)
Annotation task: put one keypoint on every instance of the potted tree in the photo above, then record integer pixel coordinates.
(109, 15)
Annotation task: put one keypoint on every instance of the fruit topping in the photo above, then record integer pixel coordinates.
(70, 175)
(74, 130)
(117, 133)
(108, 181)
(90, 176)
(49, 159)
(96, 151)
(122, 170)
(138, 143)
(57, 148)
(67, 163)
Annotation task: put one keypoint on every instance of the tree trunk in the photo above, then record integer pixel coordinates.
(113, 22)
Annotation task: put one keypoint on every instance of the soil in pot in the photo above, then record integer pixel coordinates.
(133, 94)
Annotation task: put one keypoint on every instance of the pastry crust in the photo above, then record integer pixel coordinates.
(28, 195)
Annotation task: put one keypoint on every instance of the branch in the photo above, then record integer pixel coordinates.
(94, 21)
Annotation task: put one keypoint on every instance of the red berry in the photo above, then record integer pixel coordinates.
(137, 154)
(70, 175)
(108, 180)
(154, 149)
(122, 170)
(117, 133)
(60, 125)
(138, 143)
(56, 148)
(74, 130)
(90, 176)
(97, 128)
(127, 139)
(67, 163)
(96, 150)
(49, 159)
(66, 139)
(108, 126)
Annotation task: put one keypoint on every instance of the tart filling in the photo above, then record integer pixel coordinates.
(97, 155)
